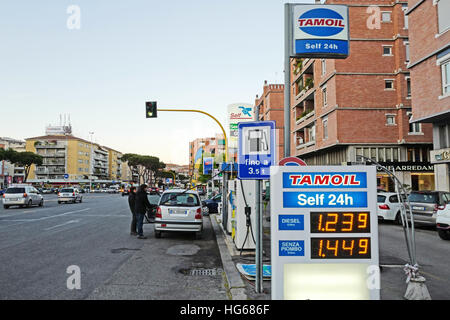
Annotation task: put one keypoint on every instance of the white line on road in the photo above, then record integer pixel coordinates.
(63, 224)
(45, 218)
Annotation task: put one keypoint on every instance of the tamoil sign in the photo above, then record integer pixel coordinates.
(320, 31)
(324, 232)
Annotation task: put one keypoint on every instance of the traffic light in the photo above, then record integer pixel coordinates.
(150, 109)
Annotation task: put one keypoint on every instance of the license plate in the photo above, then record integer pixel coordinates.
(185, 212)
(419, 208)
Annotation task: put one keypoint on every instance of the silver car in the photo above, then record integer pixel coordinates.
(179, 211)
(425, 204)
(22, 195)
(70, 195)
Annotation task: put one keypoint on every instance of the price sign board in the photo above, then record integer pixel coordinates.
(256, 149)
(324, 232)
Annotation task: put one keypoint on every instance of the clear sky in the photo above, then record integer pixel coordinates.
(202, 54)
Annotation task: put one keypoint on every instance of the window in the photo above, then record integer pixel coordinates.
(324, 66)
(388, 84)
(312, 133)
(443, 8)
(324, 95)
(406, 43)
(325, 129)
(408, 87)
(405, 17)
(414, 127)
(446, 78)
(386, 16)
(387, 50)
(390, 119)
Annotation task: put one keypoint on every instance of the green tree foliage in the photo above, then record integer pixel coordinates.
(21, 159)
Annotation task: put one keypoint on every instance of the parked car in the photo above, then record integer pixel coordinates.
(212, 204)
(443, 221)
(22, 195)
(388, 207)
(425, 204)
(179, 211)
(70, 195)
(153, 198)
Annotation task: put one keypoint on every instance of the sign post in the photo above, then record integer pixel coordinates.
(256, 153)
(324, 238)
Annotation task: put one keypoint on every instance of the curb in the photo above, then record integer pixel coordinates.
(235, 283)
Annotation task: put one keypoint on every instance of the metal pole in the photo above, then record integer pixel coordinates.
(259, 231)
(287, 79)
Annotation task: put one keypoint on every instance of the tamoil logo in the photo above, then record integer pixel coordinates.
(321, 22)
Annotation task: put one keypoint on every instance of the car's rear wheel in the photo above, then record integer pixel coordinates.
(444, 234)
(398, 219)
(158, 234)
(59, 202)
(6, 206)
(41, 203)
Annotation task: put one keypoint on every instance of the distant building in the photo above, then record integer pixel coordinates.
(79, 159)
(10, 173)
(205, 147)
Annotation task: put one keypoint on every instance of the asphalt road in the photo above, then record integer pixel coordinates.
(37, 245)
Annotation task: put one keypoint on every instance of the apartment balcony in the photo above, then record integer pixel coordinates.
(53, 163)
(53, 155)
(47, 171)
(50, 146)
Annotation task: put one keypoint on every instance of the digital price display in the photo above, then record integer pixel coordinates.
(340, 222)
(340, 248)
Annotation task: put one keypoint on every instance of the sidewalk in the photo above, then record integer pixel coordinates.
(240, 287)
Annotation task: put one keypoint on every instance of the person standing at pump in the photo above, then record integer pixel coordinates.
(141, 206)
(132, 204)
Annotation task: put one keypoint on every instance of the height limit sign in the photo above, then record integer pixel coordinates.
(256, 150)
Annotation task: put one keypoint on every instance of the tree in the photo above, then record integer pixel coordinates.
(22, 159)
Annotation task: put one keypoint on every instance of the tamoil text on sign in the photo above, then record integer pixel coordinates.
(319, 31)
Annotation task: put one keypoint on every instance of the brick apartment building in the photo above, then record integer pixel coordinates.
(429, 33)
(341, 108)
(271, 107)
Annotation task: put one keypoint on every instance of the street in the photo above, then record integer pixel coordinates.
(37, 245)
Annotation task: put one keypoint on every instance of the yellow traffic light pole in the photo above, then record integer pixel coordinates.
(212, 117)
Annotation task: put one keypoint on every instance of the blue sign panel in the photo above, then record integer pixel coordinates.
(324, 199)
(207, 165)
(257, 149)
(335, 180)
(291, 222)
(291, 248)
(317, 46)
(66, 176)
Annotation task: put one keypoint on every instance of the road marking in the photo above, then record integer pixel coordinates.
(45, 218)
(63, 224)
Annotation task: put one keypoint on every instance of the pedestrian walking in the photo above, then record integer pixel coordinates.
(141, 206)
(132, 204)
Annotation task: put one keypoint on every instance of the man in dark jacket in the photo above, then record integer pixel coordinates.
(132, 204)
(141, 206)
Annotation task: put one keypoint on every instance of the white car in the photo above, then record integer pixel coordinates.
(70, 195)
(443, 221)
(179, 211)
(22, 195)
(388, 207)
